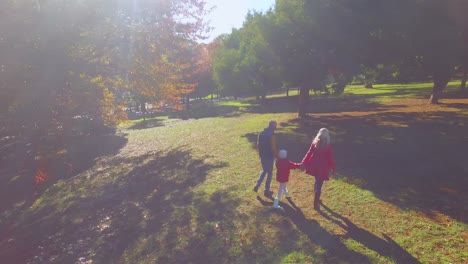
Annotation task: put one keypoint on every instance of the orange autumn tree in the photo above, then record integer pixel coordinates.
(203, 67)
(140, 49)
(67, 66)
(87, 58)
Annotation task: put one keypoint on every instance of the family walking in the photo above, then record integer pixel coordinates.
(317, 162)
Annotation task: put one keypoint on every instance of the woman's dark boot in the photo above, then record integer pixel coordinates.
(317, 201)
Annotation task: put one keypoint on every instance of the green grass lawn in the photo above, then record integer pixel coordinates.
(180, 190)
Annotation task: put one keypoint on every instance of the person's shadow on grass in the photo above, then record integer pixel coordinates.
(384, 247)
(263, 202)
(336, 251)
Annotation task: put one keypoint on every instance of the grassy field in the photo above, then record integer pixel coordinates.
(178, 190)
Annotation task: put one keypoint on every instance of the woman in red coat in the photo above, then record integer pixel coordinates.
(319, 162)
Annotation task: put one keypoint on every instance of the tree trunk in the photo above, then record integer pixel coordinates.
(287, 91)
(303, 98)
(463, 83)
(143, 107)
(440, 82)
(368, 85)
(143, 110)
(187, 102)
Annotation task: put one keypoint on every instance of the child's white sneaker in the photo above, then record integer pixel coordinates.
(276, 204)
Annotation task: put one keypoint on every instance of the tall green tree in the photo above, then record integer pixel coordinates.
(428, 32)
(259, 63)
(227, 72)
(461, 20)
(435, 37)
(318, 39)
(246, 64)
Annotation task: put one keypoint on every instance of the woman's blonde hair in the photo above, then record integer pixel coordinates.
(322, 139)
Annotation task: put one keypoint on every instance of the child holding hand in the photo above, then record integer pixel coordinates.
(283, 168)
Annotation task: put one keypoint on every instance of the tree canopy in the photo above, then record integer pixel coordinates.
(68, 59)
(63, 59)
(323, 44)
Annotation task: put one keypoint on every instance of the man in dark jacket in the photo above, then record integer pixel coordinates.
(266, 145)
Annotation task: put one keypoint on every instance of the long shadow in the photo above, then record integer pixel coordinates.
(197, 110)
(108, 216)
(342, 103)
(318, 104)
(207, 110)
(384, 247)
(413, 160)
(346, 102)
(455, 105)
(150, 123)
(454, 93)
(336, 251)
(409, 91)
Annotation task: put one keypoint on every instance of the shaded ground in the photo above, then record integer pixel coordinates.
(20, 165)
(107, 213)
